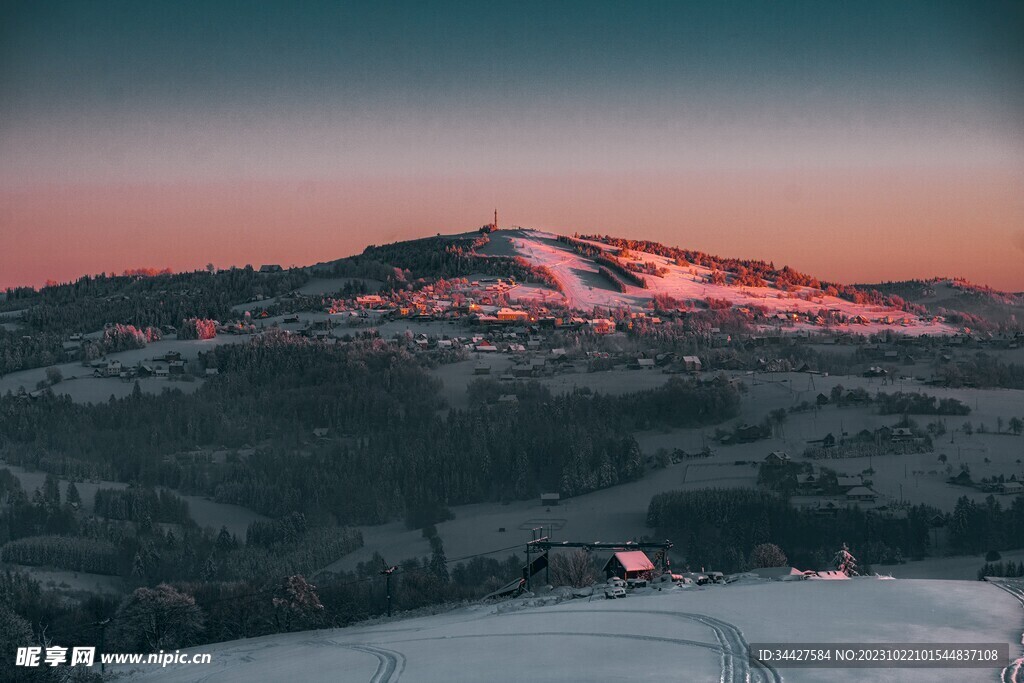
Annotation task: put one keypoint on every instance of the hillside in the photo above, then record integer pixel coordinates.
(691, 634)
(595, 274)
(954, 297)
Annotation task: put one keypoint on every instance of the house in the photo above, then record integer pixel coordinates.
(630, 564)
(549, 499)
(822, 400)
(270, 268)
(962, 479)
(113, 368)
(746, 433)
(161, 371)
(692, 363)
(807, 482)
(861, 494)
(176, 367)
(777, 458)
(481, 369)
(901, 434)
(370, 300)
(845, 482)
(1011, 487)
(511, 315)
(601, 326)
(210, 372)
(779, 573)
(642, 364)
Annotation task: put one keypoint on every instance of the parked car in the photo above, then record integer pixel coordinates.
(677, 579)
(616, 581)
(636, 583)
(698, 578)
(612, 592)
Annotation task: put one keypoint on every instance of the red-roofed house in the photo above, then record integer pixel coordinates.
(632, 564)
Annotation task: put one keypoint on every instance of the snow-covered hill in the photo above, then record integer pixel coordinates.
(584, 288)
(681, 634)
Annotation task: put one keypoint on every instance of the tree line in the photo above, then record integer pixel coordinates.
(719, 529)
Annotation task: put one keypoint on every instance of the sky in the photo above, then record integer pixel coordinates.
(859, 142)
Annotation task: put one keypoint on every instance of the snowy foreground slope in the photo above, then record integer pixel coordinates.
(691, 634)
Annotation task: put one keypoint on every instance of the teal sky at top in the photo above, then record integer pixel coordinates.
(557, 59)
(288, 131)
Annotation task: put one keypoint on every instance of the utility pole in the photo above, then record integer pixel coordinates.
(536, 536)
(387, 572)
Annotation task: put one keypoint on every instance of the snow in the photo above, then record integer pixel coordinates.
(619, 513)
(634, 561)
(692, 634)
(584, 288)
(81, 386)
(205, 512)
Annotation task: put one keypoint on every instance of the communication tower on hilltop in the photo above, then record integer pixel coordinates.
(494, 225)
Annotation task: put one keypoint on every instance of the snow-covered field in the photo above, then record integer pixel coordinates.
(205, 512)
(693, 634)
(618, 513)
(84, 387)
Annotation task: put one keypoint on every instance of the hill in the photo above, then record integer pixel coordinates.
(692, 634)
(959, 301)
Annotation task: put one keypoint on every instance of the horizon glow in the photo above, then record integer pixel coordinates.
(858, 144)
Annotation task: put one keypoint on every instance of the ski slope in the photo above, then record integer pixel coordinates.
(583, 288)
(680, 634)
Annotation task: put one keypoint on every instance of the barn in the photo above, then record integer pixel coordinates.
(632, 564)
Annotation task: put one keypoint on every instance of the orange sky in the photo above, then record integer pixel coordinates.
(854, 141)
(854, 225)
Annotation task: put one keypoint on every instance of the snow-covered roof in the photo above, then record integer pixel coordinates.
(634, 561)
(783, 573)
(860, 491)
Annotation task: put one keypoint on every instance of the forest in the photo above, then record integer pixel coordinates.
(719, 528)
(387, 423)
(189, 586)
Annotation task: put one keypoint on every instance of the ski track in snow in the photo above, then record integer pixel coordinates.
(391, 663)
(731, 644)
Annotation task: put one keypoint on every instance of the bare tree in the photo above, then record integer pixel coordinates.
(157, 618)
(768, 555)
(576, 569)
